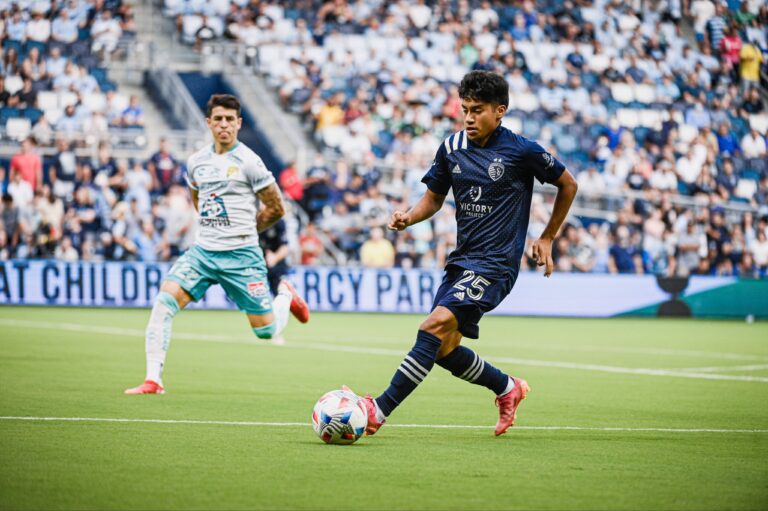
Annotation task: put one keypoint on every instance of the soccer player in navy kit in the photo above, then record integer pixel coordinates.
(491, 172)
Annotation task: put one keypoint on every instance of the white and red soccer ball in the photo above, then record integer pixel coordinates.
(339, 417)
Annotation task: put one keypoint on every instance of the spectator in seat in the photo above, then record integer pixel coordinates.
(55, 63)
(64, 31)
(28, 163)
(105, 33)
(133, 115)
(163, 167)
(38, 29)
(26, 97)
(310, 244)
(10, 65)
(290, 183)
(753, 145)
(10, 221)
(33, 67)
(378, 251)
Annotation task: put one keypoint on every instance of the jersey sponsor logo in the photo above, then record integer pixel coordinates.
(213, 213)
(232, 171)
(475, 193)
(459, 295)
(549, 161)
(206, 172)
(456, 169)
(496, 169)
(257, 289)
(475, 210)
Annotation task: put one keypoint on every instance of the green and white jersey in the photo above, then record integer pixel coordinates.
(227, 185)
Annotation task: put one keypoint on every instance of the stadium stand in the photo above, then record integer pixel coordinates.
(664, 127)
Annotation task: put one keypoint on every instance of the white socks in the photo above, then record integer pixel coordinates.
(281, 307)
(158, 334)
(510, 386)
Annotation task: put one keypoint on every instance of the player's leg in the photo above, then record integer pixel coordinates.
(243, 275)
(268, 318)
(187, 281)
(464, 363)
(440, 324)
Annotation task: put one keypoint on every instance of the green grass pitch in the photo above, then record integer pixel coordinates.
(624, 414)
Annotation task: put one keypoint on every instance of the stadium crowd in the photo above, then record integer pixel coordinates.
(667, 132)
(53, 80)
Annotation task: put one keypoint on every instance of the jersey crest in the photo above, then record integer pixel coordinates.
(496, 169)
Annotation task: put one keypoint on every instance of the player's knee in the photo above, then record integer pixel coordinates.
(266, 331)
(439, 323)
(169, 301)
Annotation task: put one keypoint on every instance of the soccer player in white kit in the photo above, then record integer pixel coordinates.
(236, 198)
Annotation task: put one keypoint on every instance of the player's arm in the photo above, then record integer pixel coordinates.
(195, 201)
(278, 255)
(272, 207)
(429, 204)
(542, 248)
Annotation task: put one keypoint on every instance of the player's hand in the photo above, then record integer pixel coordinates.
(542, 254)
(399, 221)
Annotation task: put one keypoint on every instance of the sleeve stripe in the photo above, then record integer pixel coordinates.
(456, 141)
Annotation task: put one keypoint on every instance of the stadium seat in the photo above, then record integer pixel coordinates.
(759, 122)
(628, 117)
(687, 132)
(18, 128)
(52, 115)
(645, 94)
(94, 102)
(47, 100)
(622, 93)
(33, 114)
(745, 188)
(13, 83)
(6, 113)
(67, 98)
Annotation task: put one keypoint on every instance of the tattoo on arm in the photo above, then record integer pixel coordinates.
(272, 207)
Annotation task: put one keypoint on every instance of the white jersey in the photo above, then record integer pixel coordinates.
(227, 185)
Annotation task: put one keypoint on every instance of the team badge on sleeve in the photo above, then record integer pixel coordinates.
(549, 161)
(496, 169)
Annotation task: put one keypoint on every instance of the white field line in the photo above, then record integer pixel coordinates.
(725, 369)
(383, 352)
(423, 426)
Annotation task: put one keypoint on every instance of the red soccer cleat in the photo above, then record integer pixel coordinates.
(373, 423)
(370, 408)
(508, 404)
(148, 387)
(299, 307)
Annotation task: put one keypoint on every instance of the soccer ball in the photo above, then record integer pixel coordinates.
(339, 417)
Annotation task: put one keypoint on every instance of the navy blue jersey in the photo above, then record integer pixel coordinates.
(493, 186)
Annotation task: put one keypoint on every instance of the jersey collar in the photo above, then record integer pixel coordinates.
(213, 148)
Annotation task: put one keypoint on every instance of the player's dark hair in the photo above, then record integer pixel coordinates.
(226, 100)
(485, 86)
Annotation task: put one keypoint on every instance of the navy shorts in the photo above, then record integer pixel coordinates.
(469, 295)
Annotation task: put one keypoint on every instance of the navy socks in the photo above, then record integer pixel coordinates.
(412, 371)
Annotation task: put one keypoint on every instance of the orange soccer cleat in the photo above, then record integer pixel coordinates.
(370, 408)
(508, 404)
(148, 387)
(299, 307)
